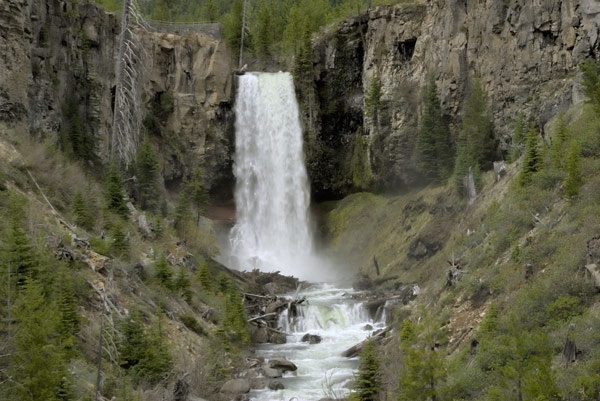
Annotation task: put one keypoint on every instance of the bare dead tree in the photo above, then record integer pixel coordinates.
(129, 68)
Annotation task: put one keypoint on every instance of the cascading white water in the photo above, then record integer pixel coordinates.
(340, 322)
(272, 232)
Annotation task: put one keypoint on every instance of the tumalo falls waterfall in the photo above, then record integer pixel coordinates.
(273, 233)
(272, 196)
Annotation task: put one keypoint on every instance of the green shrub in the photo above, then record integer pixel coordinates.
(191, 323)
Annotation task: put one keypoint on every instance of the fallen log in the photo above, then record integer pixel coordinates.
(262, 316)
(357, 348)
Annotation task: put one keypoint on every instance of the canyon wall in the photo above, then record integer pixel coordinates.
(55, 52)
(525, 54)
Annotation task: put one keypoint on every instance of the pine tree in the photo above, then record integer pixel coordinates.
(476, 142)
(559, 141)
(196, 193)
(163, 272)
(39, 361)
(115, 192)
(433, 147)
(232, 26)
(146, 172)
(235, 322)
(77, 143)
(591, 83)
(120, 242)
(368, 380)
(373, 98)
(574, 179)
(144, 353)
(181, 285)
(518, 137)
(204, 277)
(265, 29)
(67, 307)
(81, 211)
(16, 252)
(423, 369)
(360, 163)
(533, 160)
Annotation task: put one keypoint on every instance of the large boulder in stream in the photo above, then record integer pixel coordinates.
(282, 364)
(236, 386)
(311, 338)
(270, 372)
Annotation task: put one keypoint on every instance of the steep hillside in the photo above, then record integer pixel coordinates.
(508, 290)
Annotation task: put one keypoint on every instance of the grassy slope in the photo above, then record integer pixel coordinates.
(507, 227)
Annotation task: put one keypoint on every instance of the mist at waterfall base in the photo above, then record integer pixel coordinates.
(273, 230)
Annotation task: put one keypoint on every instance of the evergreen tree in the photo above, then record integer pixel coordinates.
(144, 353)
(591, 83)
(476, 143)
(235, 322)
(533, 160)
(196, 193)
(518, 138)
(373, 98)
(424, 370)
(83, 216)
(210, 11)
(232, 26)
(120, 242)
(115, 192)
(559, 141)
(433, 147)
(163, 272)
(204, 277)
(181, 285)
(17, 255)
(39, 362)
(360, 163)
(368, 380)
(574, 179)
(67, 307)
(265, 29)
(76, 142)
(146, 172)
(303, 64)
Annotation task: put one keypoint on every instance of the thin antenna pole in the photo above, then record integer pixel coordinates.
(242, 35)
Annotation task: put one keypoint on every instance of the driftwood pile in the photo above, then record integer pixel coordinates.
(264, 312)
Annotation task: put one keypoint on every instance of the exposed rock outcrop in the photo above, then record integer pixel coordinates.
(52, 52)
(525, 53)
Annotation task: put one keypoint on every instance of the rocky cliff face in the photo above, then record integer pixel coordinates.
(52, 51)
(525, 53)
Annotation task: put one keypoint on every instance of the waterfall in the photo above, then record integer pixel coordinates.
(273, 231)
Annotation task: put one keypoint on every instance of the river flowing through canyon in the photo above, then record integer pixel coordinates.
(273, 232)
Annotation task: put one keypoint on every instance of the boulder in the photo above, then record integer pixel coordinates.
(311, 338)
(282, 364)
(270, 372)
(236, 386)
(276, 385)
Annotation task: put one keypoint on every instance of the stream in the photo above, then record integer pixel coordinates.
(323, 372)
